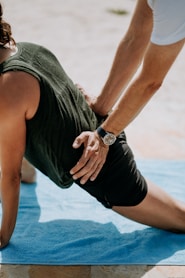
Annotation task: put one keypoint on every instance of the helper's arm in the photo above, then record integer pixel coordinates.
(128, 57)
(156, 63)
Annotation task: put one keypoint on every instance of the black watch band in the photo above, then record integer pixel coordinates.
(108, 138)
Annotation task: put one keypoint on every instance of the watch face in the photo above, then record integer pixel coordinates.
(109, 139)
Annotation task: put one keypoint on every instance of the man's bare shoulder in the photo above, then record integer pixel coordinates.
(18, 90)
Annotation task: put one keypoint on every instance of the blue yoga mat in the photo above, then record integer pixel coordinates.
(69, 227)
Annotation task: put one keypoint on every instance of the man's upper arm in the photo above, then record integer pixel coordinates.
(12, 131)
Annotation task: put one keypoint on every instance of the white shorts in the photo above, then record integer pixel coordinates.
(168, 21)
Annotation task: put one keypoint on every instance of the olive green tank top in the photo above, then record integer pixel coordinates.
(61, 116)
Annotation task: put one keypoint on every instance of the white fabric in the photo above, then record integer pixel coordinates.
(169, 21)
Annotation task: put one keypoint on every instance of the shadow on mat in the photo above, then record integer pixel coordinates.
(82, 242)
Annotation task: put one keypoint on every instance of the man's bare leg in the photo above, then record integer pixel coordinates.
(158, 209)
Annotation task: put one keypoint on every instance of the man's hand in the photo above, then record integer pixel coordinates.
(3, 242)
(92, 159)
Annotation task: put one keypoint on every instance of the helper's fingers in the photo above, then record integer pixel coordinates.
(92, 175)
(90, 148)
(79, 140)
(93, 166)
(97, 171)
(89, 154)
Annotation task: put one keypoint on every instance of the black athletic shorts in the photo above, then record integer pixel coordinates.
(119, 183)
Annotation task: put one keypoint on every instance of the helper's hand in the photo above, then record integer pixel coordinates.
(92, 159)
(90, 99)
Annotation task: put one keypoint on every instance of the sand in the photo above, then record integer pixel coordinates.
(84, 35)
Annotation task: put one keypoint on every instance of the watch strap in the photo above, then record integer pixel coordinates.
(101, 132)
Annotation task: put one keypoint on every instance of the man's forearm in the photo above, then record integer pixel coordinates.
(10, 203)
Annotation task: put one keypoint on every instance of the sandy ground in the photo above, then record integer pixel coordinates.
(84, 35)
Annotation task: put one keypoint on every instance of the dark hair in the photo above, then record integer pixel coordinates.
(5, 31)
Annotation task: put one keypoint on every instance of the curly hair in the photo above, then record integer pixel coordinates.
(5, 31)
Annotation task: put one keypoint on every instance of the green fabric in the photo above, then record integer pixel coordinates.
(62, 113)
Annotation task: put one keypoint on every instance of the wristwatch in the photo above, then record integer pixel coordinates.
(108, 138)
